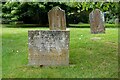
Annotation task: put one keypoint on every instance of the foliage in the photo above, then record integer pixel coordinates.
(9, 10)
(36, 12)
(88, 25)
(110, 9)
(119, 11)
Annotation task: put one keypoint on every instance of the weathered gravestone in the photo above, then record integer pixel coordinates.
(96, 18)
(57, 19)
(50, 47)
(116, 21)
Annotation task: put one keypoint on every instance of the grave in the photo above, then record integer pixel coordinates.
(116, 21)
(57, 20)
(50, 47)
(96, 18)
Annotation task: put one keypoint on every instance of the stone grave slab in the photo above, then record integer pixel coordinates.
(48, 47)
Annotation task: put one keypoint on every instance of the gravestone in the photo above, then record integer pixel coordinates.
(116, 21)
(50, 47)
(56, 18)
(96, 18)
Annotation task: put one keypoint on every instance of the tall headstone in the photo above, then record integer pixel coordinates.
(50, 47)
(117, 21)
(96, 18)
(57, 20)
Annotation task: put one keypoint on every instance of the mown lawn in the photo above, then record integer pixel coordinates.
(89, 58)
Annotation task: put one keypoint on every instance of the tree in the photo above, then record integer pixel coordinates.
(36, 12)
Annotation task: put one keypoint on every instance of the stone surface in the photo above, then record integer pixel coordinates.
(48, 47)
(57, 20)
(116, 21)
(96, 18)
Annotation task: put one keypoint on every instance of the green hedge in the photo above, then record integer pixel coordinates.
(88, 25)
(23, 25)
(70, 25)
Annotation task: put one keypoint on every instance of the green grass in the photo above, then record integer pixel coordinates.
(88, 58)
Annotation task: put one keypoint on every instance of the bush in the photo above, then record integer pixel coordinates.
(75, 18)
(17, 22)
(88, 25)
(5, 21)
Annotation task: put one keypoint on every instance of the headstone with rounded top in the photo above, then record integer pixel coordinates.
(57, 20)
(96, 18)
(117, 21)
